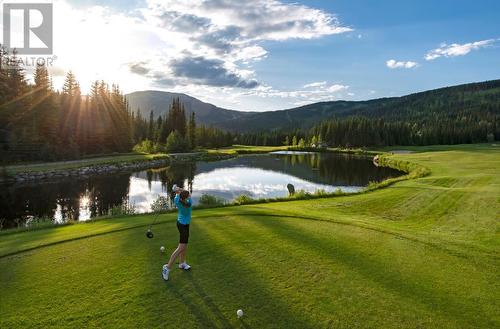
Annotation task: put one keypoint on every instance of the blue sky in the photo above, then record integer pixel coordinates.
(400, 30)
(289, 53)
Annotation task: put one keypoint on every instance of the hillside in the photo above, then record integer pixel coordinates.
(478, 99)
(475, 98)
(159, 102)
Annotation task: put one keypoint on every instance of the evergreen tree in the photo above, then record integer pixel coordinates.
(151, 129)
(192, 131)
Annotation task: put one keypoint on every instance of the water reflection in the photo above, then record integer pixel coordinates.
(259, 176)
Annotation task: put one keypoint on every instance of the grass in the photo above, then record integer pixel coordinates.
(245, 149)
(127, 157)
(72, 164)
(421, 253)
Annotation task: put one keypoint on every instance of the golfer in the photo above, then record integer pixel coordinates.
(183, 202)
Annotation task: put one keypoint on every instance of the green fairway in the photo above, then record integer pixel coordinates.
(422, 253)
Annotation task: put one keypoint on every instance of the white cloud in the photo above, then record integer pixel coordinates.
(256, 19)
(336, 88)
(456, 49)
(266, 97)
(321, 93)
(205, 48)
(228, 36)
(393, 64)
(166, 44)
(315, 84)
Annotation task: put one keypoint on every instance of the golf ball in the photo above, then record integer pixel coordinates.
(239, 313)
(162, 249)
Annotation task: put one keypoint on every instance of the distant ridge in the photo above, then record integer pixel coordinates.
(159, 102)
(465, 97)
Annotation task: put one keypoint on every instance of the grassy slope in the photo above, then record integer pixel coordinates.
(126, 157)
(61, 165)
(420, 253)
(245, 149)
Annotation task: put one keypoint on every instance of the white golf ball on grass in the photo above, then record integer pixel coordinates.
(162, 249)
(239, 313)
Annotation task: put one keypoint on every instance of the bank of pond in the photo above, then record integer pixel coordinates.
(254, 176)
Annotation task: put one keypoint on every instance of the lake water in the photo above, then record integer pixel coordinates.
(258, 176)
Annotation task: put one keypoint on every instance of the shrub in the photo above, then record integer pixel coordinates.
(207, 200)
(301, 194)
(243, 198)
(146, 146)
(320, 192)
(125, 208)
(33, 223)
(176, 143)
(160, 204)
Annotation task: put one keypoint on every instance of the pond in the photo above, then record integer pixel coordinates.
(258, 176)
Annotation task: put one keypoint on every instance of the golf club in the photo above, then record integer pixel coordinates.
(149, 233)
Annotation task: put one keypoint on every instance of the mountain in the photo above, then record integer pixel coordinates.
(466, 99)
(159, 102)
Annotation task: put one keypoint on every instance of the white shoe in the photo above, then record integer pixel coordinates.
(185, 266)
(165, 271)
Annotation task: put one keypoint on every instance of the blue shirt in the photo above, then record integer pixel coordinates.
(184, 215)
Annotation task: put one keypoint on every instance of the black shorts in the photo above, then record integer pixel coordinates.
(183, 232)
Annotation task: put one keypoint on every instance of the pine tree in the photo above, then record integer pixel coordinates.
(70, 84)
(151, 129)
(192, 132)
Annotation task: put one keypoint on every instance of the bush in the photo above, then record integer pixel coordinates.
(126, 208)
(301, 194)
(321, 192)
(207, 200)
(146, 146)
(160, 204)
(243, 198)
(176, 143)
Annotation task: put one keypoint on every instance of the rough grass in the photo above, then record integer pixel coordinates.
(72, 164)
(245, 149)
(421, 253)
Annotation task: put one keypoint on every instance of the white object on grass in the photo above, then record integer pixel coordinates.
(162, 249)
(239, 313)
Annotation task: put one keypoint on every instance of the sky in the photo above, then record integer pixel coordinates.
(265, 55)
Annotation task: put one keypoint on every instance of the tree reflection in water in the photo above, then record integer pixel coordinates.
(256, 176)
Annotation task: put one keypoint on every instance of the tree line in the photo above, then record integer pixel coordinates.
(174, 132)
(454, 115)
(39, 123)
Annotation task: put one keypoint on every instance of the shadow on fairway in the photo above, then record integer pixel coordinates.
(228, 281)
(436, 296)
(198, 289)
(195, 309)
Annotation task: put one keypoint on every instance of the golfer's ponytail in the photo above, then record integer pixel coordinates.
(183, 196)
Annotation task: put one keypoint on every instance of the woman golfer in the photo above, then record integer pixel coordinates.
(183, 203)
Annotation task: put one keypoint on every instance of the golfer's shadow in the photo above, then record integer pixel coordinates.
(208, 301)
